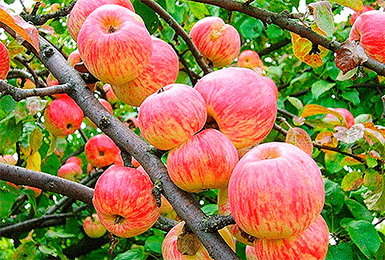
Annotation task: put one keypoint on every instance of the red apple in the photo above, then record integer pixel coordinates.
(249, 59)
(93, 227)
(348, 117)
(83, 8)
(217, 41)
(124, 201)
(312, 244)
(75, 159)
(276, 191)
(110, 94)
(101, 151)
(70, 171)
(368, 31)
(250, 253)
(4, 61)
(74, 58)
(63, 117)
(135, 163)
(171, 116)
(272, 85)
(107, 105)
(162, 70)
(8, 159)
(205, 161)
(241, 103)
(51, 80)
(117, 35)
(355, 15)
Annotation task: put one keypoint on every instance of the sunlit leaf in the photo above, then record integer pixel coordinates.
(296, 103)
(323, 16)
(35, 140)
(34, 162)
(320, 87)
(372, 179)
(352, 181)
(356, 5)
(375, 200)
(363, 119)
(313, 109)
(352, 135)
(300, 138)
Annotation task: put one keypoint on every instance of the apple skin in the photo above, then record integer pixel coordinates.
(115, 34)
(93, 227)
(106, 105)
(348, 117)
(205, 161)
(312, 244)
(110, 94)
(162, 70)
(51, 80)
(272, 85)
(243, 105)
(101, 151)
(250, 253)
(217, 41)
(171, 116)
(249, 59)
(75, 159)
(4, 61)
(126, 193)
(83, 8)
(8, 159)
(355, 15)
(70, 171)
(276, 191)
(37, 191)
(74, 58)
(63, 116)
(368, 31)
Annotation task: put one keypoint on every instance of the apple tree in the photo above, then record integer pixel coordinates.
(259, 120)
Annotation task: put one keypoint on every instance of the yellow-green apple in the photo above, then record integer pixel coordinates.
(63, 117)
(162, 70)
(348, 117)
(107, 106)
(93, 227)
(276, 191)
(367, 30)
(124, 201)
(240, 102)
(101, 151)
(182, 245)
(70, 171)
(355, 15)
(75, 159)
(114, 44)
(171, 116)
(218, 42)
(110, 94)
(83, 8)
(312, 244)
(249, 59)
(4, 61)
(205, 161)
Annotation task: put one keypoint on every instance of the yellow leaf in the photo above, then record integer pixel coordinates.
(24, 30)
(34, 162)
(356, 5)
(300, 138)
(312, 109)
(35, 140)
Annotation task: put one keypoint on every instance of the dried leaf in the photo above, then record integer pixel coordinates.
(312, 109)
(24, 30)
(323, 16)
(349, 56)
(356, 5)
(349, 136)
(300, 138)
(326, 139)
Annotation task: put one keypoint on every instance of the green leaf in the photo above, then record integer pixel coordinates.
(352, 96)
(356, 5)
(274, 31)
(365, 236)
(340, 252)
(352, 181)
(149, 17)
(6, 201)
(7, 104)
(154, 244)
(9, 1)
(295, 3)
(133, 254)
(59, 234)
(170, 6)
(372, 179)
(334, 195)
(251, 28)
(359, 211)
(375, 200)
(31, 198)
(323, 16)
(10, 131)
(320, 87)
(296, 103)
(198, 9)
(210, 209)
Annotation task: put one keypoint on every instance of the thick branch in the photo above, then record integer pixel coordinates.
(217, 222)
(127, 140)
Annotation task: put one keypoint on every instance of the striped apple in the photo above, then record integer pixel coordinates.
(114, 44)
(276, 191)
(83, 8)
(124, 201)
(217, 41)
(241, 103)
(4, 61)
(101, 151)
(162, 70)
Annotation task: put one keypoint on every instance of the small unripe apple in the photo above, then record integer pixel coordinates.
(124, 201)
(117, 35)
(93, 227)
(63, 117)
(171, 116)
(101, 151)
(70, 171)
(249, 59)
(217, 41)
(4, 61)
(348, 117)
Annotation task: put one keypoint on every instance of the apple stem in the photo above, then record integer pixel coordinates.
(118, 219)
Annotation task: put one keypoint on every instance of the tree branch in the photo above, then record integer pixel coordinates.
(38, 82)
(217, 222)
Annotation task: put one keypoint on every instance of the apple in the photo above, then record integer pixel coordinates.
(75, 159)
(101, 151)
(63, 117)
(83, 8)
(241, 103)
(124, 201)
(171, 116)
(348, 117)
(93, 227)
(107, 106)
(117, 35)
(276, 191)
(135, 163)
(162, 70)
(217, 41)
(70, 171)
(272, 85)
(74, 58)
(250, 253)
(110, 94)
(4, 61)
(182, 245)
(249, 59)
(90, 169)
(355, 15)
(367, 30)
(55, 7)
(205, 161)
(51, 80)
(8, 159)
(312, 244)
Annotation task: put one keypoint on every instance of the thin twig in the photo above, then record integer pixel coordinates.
(38, 82)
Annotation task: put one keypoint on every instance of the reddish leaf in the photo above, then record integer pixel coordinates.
(350, 56)
(352, 181)
(300, 138)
